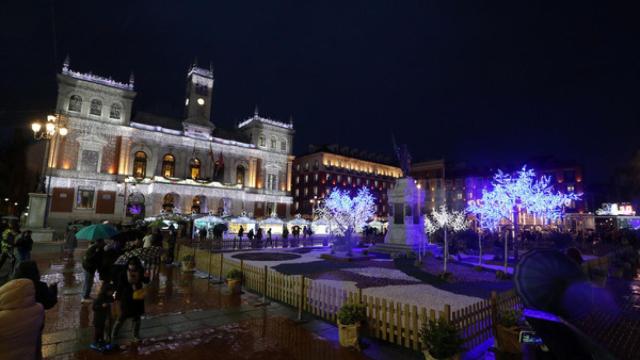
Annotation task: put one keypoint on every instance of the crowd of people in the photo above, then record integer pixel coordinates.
(120, 296)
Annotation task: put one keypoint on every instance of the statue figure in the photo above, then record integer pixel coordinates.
(403, 156)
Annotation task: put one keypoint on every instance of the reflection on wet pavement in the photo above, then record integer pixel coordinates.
(186, 317)
(263, 338)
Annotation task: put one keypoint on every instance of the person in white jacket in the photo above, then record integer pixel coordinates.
(21, 319)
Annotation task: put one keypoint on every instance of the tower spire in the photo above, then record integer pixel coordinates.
(66, 63)
(132, 79)
(255, 111)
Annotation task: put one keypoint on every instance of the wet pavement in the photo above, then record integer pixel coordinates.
(188, 317)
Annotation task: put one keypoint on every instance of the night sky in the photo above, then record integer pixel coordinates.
(479, 81)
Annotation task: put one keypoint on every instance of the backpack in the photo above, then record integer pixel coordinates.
(89, 259)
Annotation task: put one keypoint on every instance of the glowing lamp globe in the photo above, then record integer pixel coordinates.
(36, 126)
(51, 127)
(63, 131)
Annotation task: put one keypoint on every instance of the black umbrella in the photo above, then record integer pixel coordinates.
(149, 255)
(544, 277)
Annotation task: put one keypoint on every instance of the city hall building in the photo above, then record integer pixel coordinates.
(111, 166)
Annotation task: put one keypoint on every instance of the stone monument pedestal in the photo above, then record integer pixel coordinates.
(35, 220)
(406, 223)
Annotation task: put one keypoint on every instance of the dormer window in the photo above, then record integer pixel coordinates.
(96, 107)
(115, 112)
(75, 103)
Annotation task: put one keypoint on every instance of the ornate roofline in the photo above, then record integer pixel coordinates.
(266, 121)
(97, 79)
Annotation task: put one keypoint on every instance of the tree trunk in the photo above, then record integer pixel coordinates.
(446, 249)
(516, 232)
(479, 249)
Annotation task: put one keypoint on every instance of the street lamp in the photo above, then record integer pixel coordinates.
(46, 131)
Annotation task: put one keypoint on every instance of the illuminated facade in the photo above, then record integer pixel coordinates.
(325, 168)
(112, 165)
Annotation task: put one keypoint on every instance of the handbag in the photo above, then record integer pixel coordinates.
(140, 293)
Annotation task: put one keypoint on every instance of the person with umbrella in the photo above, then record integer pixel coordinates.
(91, 262)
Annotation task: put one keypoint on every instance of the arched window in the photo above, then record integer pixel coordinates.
(169, 201)
(115, 112)
(96, 107)
(75, 103)
(262, 141)
(168, 165)
(194, 168)
(283, 145)
(273, 143)
(240, 175)
(140, 165)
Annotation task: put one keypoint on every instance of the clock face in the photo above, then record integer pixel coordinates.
(186, 102)
(200, 101)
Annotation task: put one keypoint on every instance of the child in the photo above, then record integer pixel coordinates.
(102, 316)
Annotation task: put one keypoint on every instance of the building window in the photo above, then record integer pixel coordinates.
(262, 141)
(240, 175)
(194, 168)
(316, 164)
(306, 178)
(273, 143)
(115, 112)
(368, 182)
(298, 179)
(315, 190)
(306, 166)
(297, 167)
(85, 198)
(306, 191)
(348, 179)
(459, 196)
(89, 161)
(375, 183)
(328, 176)
(315, 176)
(140, 165)
(96, 107)
(296, 205)
(168, 165)
(571, 188)
(297, 192)
(339, 178)
(75, 103)
(283, 145)
(272, 182)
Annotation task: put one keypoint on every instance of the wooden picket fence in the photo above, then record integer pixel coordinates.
(387, 320)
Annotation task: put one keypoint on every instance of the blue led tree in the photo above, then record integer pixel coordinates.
(512, 194)
(346, 214)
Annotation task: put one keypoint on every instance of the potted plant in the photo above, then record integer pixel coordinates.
(188, 263)
(441, 340)
(350, 317)
(234, 281)
(508, 330)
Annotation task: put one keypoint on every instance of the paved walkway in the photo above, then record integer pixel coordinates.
(190, 318)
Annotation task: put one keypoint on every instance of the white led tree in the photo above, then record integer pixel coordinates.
(346, 214)
(511, 195)
(446, 220)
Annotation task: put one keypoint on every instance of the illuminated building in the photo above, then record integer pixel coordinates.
(324, 168)
(114, 163)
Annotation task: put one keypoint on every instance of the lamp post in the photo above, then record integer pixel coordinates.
(46, 131)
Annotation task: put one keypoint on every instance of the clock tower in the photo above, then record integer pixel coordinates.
(198, 101)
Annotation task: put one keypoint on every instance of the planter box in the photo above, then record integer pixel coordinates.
(348, 335)
(507, 339)
(234, 286)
